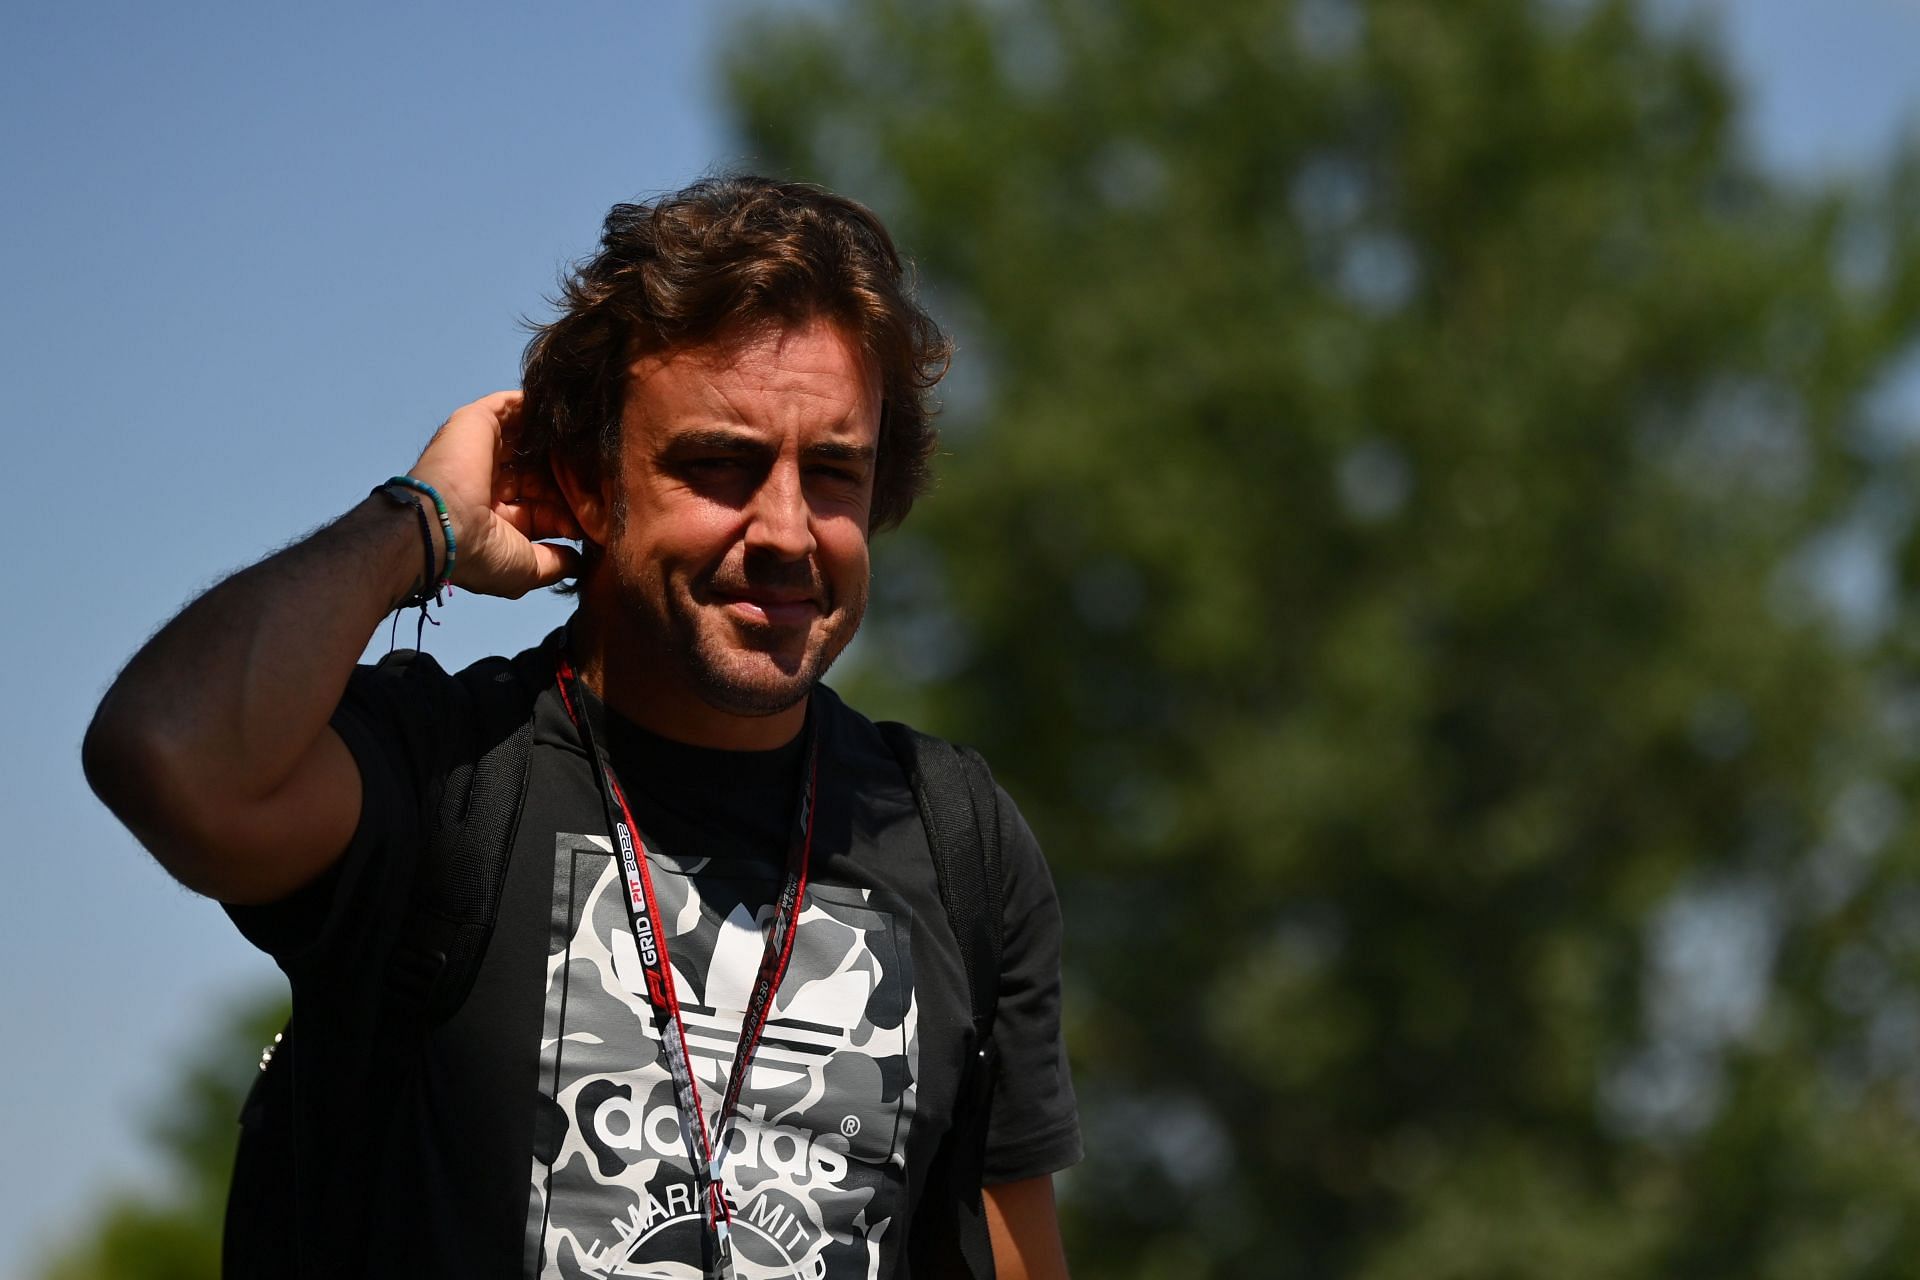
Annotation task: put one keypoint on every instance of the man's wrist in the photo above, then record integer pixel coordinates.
(418, 552)
(439, 511)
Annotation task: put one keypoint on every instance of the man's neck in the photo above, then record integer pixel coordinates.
(642, 684)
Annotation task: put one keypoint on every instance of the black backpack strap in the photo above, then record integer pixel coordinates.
(456, 892)
(960, 809)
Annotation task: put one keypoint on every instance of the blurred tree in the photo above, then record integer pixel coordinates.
(1417, 541)
(175, 1234)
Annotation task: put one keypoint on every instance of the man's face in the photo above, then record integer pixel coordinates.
(739, 544)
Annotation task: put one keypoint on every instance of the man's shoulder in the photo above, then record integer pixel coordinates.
(495, 677)
(887, 742)
(532, 667)
(880, 754)
(876, 749)
(408, 703)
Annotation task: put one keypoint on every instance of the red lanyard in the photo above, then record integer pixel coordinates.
(705, 1151)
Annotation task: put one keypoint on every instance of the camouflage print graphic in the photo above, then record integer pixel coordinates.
(815, 1163)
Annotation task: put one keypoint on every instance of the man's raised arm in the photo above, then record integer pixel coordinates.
(213, 744)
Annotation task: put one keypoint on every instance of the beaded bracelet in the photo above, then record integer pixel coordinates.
(446, 521)
(428, 592)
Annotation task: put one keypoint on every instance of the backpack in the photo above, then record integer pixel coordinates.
(455, 900)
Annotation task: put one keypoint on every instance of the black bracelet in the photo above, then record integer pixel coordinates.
(427, 593)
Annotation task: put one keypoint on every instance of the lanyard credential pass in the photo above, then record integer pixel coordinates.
(705, 1150)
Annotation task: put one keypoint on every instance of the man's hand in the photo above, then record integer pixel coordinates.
(500, 510)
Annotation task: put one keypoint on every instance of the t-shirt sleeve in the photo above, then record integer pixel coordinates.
(393, 722)
(1034, 1127)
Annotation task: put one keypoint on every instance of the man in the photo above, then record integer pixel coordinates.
(714, 859)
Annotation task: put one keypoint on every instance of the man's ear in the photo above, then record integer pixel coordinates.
(590, 501)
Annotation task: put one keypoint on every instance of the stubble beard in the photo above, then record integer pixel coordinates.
(729, 676)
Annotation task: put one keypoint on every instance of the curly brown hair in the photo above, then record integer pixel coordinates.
(722, 256)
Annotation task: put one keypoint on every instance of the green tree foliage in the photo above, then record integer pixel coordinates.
(1413, 479)
(174, 1233)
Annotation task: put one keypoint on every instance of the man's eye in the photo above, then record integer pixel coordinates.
(839, 475)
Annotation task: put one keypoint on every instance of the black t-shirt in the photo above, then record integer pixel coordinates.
(537, 1134)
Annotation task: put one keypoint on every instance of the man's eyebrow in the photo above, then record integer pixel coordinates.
(716, 438)
(839, 451)
(730, 440)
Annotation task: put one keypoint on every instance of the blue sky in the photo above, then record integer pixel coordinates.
(252, 254)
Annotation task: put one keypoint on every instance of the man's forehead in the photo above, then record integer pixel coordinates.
(812, 369)
(814, 344)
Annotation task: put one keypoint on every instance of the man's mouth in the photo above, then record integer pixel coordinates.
(780, 597)
(777, 605)
(765, 610)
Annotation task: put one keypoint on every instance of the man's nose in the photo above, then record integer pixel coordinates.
(782, 522)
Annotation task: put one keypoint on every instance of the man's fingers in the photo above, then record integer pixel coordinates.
(501, 404)
(540, 519)
(500, 411)
(506, 408)
(526, 484)
(553, 561)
